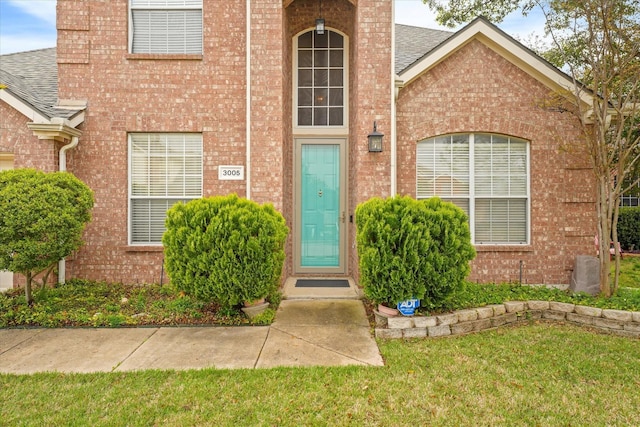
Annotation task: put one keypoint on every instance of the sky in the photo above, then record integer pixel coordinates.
(31, 24)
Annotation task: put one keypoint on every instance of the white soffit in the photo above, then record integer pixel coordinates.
(22, 107)
(36, 116)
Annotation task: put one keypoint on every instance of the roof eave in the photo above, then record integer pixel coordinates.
(26, 109)
(58, 130)
(513, 51)
(34, 114)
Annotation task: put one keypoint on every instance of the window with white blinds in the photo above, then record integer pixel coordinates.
(163, 169)
(166, 26)
(485, 175)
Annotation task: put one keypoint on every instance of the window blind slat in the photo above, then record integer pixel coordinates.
(147, 4)
(498, 201)
(164, 169)
(167, 31)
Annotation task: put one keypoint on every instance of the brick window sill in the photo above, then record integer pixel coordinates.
(163, 57)
(148, 248)
(503, 248)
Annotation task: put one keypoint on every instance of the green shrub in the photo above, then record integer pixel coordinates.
(629, 228)
(411, 249)
(447, 263)
(42, 218)
(225, 249)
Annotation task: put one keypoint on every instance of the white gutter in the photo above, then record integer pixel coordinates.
(62, 156)
(394, 155)
(62, 166)
(248, 101)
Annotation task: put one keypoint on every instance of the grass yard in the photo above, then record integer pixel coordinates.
(539, 374)
(629, 271)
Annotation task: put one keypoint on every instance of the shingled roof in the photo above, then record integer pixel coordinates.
(33, 78)
(412, 43)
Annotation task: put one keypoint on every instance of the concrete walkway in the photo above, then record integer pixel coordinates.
(325, 332)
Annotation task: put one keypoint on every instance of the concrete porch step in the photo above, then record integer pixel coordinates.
(289, 290)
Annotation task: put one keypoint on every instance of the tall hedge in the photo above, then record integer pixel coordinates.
(225, 249)
(629, 228)
(411, 248)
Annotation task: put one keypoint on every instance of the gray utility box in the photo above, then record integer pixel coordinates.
(586, 275)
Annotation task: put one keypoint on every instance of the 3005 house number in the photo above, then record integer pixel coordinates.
(226, 173)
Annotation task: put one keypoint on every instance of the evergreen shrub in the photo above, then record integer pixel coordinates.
(42, 220)
(411, 248)
(629, 228)
(225, 249)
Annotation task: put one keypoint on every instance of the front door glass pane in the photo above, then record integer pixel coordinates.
(320, 204)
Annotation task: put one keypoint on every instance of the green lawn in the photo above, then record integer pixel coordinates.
(538, 374)
(629, 271)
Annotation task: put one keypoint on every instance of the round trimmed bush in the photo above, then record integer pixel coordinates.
(412, 249)
(225, 249)
(42, 220)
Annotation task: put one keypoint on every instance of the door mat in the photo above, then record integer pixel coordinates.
(321, 283)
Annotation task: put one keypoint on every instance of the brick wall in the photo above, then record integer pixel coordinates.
(17, 139)
(476, 90)
(371, 80)
(141, 93)
(368, 27)
(144, 93)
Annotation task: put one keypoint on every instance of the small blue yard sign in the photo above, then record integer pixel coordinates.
(408, 307)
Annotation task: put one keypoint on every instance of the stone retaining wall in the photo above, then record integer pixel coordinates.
(460, 322)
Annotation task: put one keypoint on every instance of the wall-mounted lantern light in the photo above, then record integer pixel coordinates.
(320, 21)
(375, 140)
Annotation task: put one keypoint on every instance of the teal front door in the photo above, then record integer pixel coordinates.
(320, 207)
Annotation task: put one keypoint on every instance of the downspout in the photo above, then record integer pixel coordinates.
(62, 166)
(248, 101)
(394, 155)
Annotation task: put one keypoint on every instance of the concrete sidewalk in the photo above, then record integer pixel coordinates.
(326, 332)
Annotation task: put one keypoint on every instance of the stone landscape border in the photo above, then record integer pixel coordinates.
(619, 322)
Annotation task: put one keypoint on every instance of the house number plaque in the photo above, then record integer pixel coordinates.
(230, 173)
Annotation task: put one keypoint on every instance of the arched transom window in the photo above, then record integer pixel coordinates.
(320, 79)
(486, 175)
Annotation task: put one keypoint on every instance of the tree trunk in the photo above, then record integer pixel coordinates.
(27, 288)
(604, 235)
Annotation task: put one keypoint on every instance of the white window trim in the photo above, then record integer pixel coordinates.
(155, 5)
(324, 130)
(130, 196)
(472, 197)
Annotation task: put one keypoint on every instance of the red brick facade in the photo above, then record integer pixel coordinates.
(477, 90)
(207, 94)
(474, 90)
(28, 151)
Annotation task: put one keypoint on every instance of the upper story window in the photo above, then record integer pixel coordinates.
(164, 168)
(320, 79)
(166, 26)
(485, 175)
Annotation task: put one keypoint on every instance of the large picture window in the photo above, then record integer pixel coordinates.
(166, 26)
(163, 169)
(485, 175)
(320, 79)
